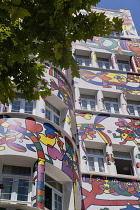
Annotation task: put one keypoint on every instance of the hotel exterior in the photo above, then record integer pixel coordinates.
(78, 149)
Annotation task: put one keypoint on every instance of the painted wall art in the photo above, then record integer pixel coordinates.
(108, 129)
(128, 25)
(108, 193)
(127, 83)
(130, 47)
(31, 136)
(59, 83)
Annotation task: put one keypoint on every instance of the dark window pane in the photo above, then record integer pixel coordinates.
(28, 107)
(22, 198)
(6, 196)
(124, 167)
(131, 110)
(7, 190)
(15, 106)
(138, 109)
(108, 107)
(84, 104)
(101, 164)
(56, 120)
(48, 114)
(53, 183)
(16, 170)
(23, 186)
(94, 151)
(91, 163)
(116, 108)
(48, 197)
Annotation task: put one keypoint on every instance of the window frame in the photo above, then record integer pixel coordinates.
(102, 60)
(54, 191)
(136, 113)
(112, 110)
(96, 156)
(125, 158)
(14, 190)
(22, 106)
(88, 100)
(123, 65)
(83, 59)
(53, 114)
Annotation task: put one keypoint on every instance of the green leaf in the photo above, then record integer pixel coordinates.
(20, 13)
(44, 29)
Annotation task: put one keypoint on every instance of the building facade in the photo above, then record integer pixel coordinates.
(78, 149)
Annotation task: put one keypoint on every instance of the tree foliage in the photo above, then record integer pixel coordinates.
(44, 28)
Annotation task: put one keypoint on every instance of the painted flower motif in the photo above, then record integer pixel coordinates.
(87, 131)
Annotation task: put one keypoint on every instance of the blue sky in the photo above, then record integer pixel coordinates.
(132, 5)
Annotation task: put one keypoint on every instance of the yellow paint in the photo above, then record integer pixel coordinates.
(28, 131)
(79, 125)
(41, 161)
(88, 116)
(67, 119)
(114, 77)
(135, 142)
(46, 140)
(89, 137)
(2, 148)
(106, 185)
(74, 189)
(103, 137)
(94, 57)
(5, 124)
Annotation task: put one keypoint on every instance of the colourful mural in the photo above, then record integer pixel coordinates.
(48, 142)
(126, 83)
(128, 131)
(125, 15)
(125, 130)
(88, 131)
(130, 47)
(62, 86)
(109, 193)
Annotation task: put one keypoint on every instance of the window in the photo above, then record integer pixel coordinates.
(88, 102)
(28, 107)
(134, 107)
(123, 163)
(53, 194)
(95, 160)
(52, 113)
(16, 106)
(103, 63)
(16, 182)
(115, 33)
(20, 105)
(123, 65)
(111, 105)
(83, 60)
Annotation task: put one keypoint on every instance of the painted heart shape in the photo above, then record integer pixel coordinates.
(54, 153)
(32, 126)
